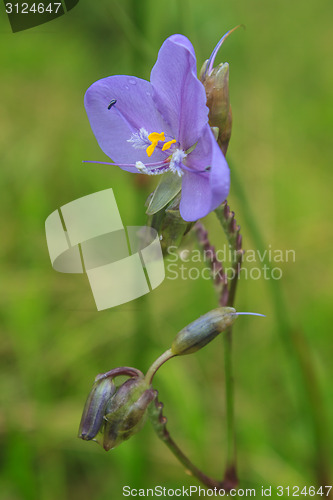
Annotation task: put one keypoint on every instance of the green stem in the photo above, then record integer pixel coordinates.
(157, 364)
(229, 400)
(229, 382)
(206, 480)
(298, 352)
(227, 291)
(232, 232)
(159, 424)
(155, 411)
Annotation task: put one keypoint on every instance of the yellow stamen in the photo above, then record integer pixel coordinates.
(154, 137)
(151, 148)
(168, 144)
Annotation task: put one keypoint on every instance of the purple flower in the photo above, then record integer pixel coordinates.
(162, 125)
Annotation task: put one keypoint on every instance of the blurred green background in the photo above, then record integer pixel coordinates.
(53, 340)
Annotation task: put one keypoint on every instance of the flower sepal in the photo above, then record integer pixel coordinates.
(170, 225)
(126, 413)
(166, 190)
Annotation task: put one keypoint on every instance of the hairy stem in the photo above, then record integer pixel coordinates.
(218, 274)
(232, 232)
(155, 411)
(226, 290)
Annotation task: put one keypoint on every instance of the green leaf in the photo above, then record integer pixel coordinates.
(168, 187)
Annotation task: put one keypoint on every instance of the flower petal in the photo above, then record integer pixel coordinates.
(202, 193)
(134, 109)
(179, 95)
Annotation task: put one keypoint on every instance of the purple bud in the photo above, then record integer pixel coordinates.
(94, 409)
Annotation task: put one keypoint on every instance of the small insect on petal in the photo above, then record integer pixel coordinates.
(112, 103)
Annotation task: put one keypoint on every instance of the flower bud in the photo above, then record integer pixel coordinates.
(111, 415)
(126, 412)
(216, 85)
(94, 409)
(203, 330)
